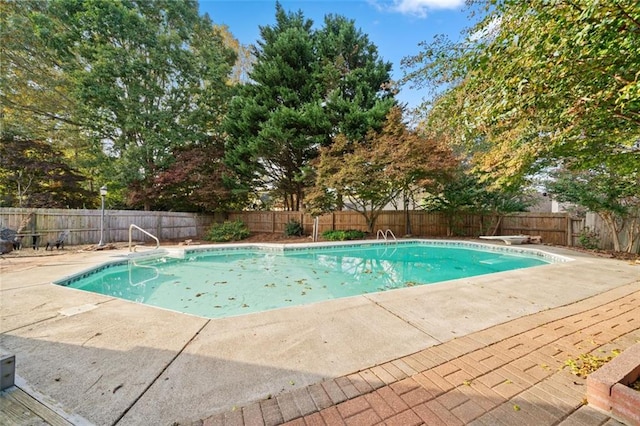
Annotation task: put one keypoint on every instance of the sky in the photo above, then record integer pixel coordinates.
(396, 27)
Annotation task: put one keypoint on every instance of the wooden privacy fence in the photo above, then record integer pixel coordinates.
(554, 228)
(84, 225)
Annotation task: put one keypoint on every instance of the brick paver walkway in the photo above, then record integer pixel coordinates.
(510, 374)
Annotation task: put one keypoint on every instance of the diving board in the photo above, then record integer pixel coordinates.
(508, 239)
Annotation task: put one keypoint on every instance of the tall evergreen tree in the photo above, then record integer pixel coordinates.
(305, 87)
(358, 91)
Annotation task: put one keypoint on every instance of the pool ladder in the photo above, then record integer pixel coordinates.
(385, 234)
(132, 227)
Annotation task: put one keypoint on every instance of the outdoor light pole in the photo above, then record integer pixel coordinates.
(103, 193)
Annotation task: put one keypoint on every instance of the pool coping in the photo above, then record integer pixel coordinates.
(182, 252)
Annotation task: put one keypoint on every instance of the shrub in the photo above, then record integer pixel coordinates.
(227, 231)
(589, 239)
(293, 228)
(338, 235)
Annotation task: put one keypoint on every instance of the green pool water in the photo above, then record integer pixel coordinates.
(228, 282)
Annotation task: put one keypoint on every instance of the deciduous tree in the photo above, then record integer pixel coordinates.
(537, 82)
(369, 174)
(34, 174)
(145, 77)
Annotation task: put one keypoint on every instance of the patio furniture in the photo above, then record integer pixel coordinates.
(33, 236)
(59, 243)
(11, 237)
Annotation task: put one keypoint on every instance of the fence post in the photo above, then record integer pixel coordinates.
(158, 225)
(107, 227)
(569, 230)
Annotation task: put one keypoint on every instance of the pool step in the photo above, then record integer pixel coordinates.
(175, 253)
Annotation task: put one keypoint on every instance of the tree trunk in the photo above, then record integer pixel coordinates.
(495, 229)
(610, 220)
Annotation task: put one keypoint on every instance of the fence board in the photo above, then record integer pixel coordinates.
(84, 225)
(604, 236)
(552, 227)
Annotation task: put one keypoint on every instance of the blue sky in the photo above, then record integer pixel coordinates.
(394, 26)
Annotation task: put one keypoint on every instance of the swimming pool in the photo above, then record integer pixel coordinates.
(223, 281)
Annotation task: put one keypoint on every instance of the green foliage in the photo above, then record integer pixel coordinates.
(537, 83)
(293, 228)
(34, 174)
(589, 239)
(228, 231)
(339, 235)
(613, 196)
(137, 80)
(305, 85)
(465, 193)
(367, 175)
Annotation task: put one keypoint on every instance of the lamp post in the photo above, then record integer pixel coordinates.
(103, 193)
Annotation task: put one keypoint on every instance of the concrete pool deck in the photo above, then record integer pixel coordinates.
(99, 360)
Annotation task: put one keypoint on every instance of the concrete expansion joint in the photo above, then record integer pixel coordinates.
(401, 319)
(162, 371)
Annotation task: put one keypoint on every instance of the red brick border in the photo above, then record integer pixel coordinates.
(511, 373)
(607, 387)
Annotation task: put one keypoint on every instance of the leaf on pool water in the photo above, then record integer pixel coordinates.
(220, 282)
(244, 305)
(287, 300)
(217, 306)
(232, 298)
(271, 285)
(199, 294)
(301, 281)
(303, 293)
(409, 284)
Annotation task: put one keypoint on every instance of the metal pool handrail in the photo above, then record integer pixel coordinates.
(142, 230)
(385, 234)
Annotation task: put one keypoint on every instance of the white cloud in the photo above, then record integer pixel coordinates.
(421, 7)
(488, 31)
